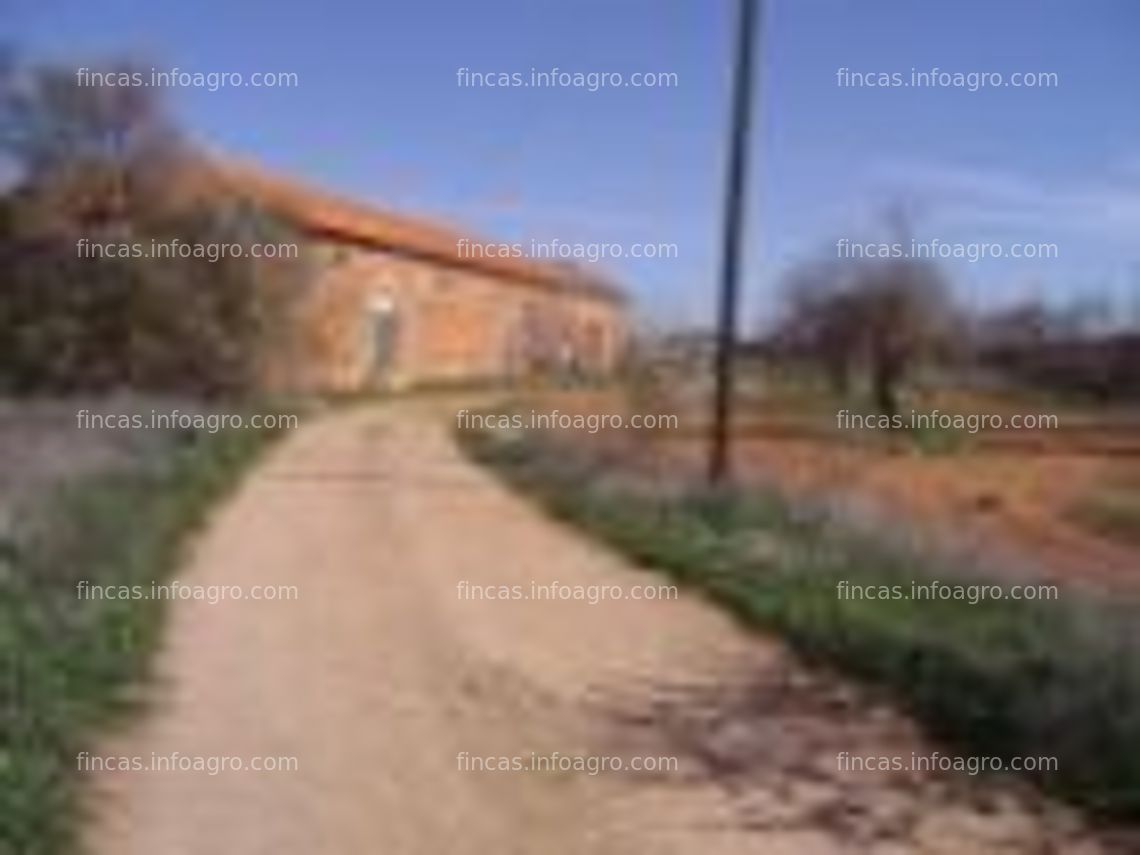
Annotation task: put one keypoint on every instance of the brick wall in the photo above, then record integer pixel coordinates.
(444, 324)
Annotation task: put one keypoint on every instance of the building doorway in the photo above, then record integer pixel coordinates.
(383, 332)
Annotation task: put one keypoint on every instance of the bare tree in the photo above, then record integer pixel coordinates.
(881, 317)
(817, 324)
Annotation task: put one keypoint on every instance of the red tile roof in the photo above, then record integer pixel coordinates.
(323, 214)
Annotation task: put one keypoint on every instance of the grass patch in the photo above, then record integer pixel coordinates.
(70, 666)
(935, 441)
(1008, 678)
(1113, 512)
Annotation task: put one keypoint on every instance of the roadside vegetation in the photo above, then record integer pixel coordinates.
(100, 304)
(998, 677)
(1113, 510)
(73, 666)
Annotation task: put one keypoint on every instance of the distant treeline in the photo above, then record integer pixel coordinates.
(1105, 366)
(878, 323)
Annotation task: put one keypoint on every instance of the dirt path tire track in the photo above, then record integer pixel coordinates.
(379, 675)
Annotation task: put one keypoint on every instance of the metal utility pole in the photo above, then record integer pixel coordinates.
(719, 447)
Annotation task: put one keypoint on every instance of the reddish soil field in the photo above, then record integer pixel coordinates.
(1003, 504)
(1007, 496)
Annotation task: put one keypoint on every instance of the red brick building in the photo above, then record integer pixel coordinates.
(399, 302)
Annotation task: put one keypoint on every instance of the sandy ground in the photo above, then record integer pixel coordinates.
(379, 676)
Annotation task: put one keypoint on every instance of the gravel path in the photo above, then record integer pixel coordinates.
(379, 676)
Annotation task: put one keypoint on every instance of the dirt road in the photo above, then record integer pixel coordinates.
(379, 677)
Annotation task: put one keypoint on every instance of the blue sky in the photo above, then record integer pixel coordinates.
(378, 115)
